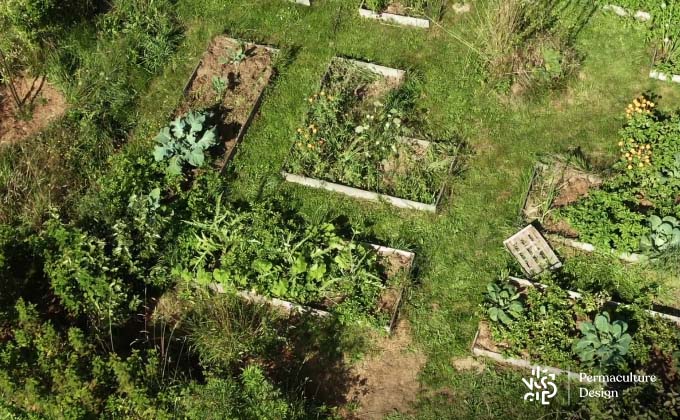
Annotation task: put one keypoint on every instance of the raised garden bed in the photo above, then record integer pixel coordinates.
(42, 104)
(229, 81)
(394, 12)
(524, 283)
(666, 77)
(623, 12)
(484, 346)
(549, 326)
(555, 185)
(355, 141)
(399, 265)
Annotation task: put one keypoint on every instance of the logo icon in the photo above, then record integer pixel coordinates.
(541, 386)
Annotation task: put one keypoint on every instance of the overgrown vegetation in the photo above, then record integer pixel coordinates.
(356, 133)
(529, 48)
(644, 186)
(432, 9)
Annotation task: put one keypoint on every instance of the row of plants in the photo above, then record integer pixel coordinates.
(356, 134)
(636, 208)
(547, 327)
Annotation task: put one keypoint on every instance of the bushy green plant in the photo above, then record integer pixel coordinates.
(603, 342)
(665, 234)
(259, 249)
(185, 141)
(502, 302)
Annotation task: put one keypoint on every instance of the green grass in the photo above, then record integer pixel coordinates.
(460, 249)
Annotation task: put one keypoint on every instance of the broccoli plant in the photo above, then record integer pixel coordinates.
(502, 303)
(603, 341)
(665, 234)
(185, 141)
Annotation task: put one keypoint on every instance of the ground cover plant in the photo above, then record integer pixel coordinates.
(432, 9)
(355, 134)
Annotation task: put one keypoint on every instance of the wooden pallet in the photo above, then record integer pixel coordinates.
(532, 251)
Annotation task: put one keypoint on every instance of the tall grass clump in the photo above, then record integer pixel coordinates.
(529, 45)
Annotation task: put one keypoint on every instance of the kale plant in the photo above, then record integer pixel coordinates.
(185, 141)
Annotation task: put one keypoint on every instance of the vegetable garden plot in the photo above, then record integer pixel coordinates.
(550, 326)
(398, 264)
(275, 255)
(228, 84)
(355, 140)
(557, 184)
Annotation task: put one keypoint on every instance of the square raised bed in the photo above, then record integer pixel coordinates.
(398, 265)
(556, 184)
(355, 141)
(229, 81)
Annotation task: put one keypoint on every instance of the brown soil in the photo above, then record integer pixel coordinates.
(566, 185)
(245, 82)
(396, 8)
(467, 364)
(44, 102)
(485, 339)
(388, 381)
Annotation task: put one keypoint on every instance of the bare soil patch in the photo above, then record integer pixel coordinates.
(387, 381)
(556, 185)
(229, 81)
(468, 364)
(43, 102)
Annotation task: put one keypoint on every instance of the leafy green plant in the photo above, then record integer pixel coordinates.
(185, 141)
(603, 341)
(502, 303)
(665, 234)
(219, 85)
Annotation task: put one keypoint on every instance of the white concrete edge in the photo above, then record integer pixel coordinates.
(302, 2)
(654, 74)
(358, 193)
(398, 19)
(576, 295)
(639, 15)
(378, 69)
(629, 257)
(385, 251)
